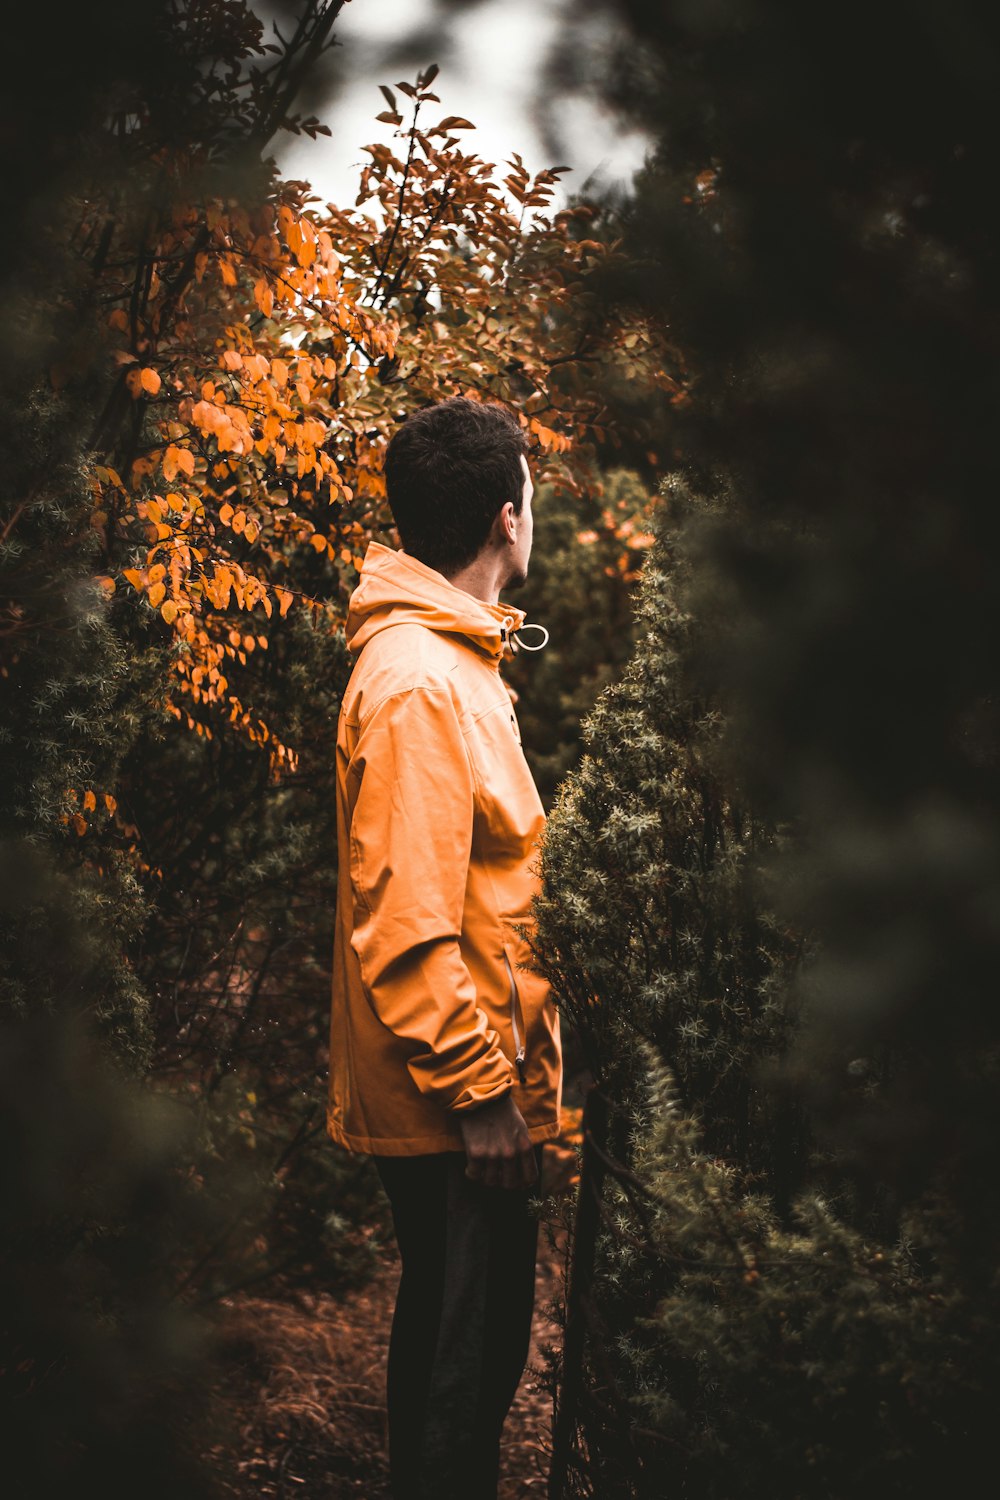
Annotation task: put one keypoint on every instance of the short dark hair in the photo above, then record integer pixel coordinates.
(448, 470)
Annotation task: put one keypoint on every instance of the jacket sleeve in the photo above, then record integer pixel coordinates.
(410, 841)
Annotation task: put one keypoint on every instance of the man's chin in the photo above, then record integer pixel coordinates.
(516, 580)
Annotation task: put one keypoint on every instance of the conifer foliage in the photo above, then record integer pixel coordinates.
(795, 1289)
(750, 1317)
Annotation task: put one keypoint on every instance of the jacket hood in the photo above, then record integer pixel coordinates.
(396, 589)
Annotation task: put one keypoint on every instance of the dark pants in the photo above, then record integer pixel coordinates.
(462, 1324)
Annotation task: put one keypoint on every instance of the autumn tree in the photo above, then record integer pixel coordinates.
(100, 1364)
(243, 522)
(208, 364)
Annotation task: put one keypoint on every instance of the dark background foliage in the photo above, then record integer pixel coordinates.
(812, 223)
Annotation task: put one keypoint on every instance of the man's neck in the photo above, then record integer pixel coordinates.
(482, 578)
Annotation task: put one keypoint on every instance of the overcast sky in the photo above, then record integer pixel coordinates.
(490, 55)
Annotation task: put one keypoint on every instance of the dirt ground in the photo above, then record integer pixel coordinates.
(303, 1381)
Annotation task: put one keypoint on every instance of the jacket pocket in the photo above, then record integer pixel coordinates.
(516, 1018)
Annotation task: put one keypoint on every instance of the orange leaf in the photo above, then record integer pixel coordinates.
(169, 611)
(89, 801)
(150, 381)
(157, 593)
(177, 460)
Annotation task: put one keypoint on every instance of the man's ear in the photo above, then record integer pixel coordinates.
(506, 521)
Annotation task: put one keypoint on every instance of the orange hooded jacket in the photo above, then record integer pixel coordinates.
(435, 1009)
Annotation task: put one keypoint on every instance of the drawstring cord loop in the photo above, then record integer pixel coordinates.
(513, 639)
(524, 644)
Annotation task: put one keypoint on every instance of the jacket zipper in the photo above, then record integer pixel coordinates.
(518, 1042)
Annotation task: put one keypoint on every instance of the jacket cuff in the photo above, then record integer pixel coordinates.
(475, 1095)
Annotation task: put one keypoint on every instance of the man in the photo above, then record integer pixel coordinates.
(445, 1052)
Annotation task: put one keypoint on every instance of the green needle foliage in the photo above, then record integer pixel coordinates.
(581, 593)
(797, 1296)
(664, 905)
(769, 1313)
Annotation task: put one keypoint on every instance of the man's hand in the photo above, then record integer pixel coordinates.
(497, 1146)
